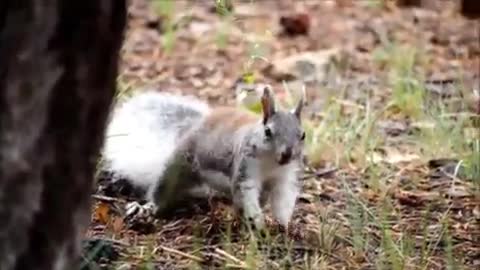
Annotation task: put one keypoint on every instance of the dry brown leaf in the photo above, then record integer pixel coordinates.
(117, 224)
(296, 24)
(414, 198)
(102, 212)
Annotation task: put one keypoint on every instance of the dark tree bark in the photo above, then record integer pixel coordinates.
(58, 68)
(471, 10)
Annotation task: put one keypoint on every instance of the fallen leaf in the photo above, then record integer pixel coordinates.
(297, 24)
(306, 198)
(414, 198)
(117, 224)
(102, 212)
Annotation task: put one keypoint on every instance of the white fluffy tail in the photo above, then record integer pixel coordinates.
(143, 133)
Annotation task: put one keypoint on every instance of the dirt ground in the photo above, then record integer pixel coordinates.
(342, 220)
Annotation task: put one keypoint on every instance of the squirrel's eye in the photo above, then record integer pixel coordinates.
(302, 137)
(268, 132)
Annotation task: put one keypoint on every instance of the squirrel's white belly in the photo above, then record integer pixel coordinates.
(272, 170)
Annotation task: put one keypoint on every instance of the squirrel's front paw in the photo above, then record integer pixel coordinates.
(136, 209)
(140, 217)
(258, 221)
(255, 218)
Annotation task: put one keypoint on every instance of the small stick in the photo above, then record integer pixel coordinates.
(324, 172)
(229, 256)
(118, 242)
(181, 253)
(229, 265)
(106, 198)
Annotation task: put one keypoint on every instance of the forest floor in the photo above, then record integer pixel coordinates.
(393, 179)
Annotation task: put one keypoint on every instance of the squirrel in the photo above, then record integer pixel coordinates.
(178, 147)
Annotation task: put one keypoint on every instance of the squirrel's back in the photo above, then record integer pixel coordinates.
(227, 119)
(143, 133)
(218, 137)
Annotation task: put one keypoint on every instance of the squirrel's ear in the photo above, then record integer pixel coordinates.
(268, 103)
(298, 109)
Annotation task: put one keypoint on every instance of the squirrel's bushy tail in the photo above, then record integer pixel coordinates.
(143, 133)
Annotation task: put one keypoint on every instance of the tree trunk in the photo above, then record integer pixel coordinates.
(59, 61)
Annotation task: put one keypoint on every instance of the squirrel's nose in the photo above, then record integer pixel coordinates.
(285, 156)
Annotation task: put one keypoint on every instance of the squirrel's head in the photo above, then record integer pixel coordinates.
(282, 130)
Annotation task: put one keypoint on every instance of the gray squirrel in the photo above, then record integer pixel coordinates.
(178, 147)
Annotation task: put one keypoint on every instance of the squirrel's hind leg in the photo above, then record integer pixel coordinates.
(174, 189)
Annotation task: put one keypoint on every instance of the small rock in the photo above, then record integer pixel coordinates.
(199, 29)
(441, 162)
(392, 128)
(422, 125)
(442, 86)
(393, 156)
(458, 192)
(307, 66)
(445, 167)
(476, 212)
(197, 83)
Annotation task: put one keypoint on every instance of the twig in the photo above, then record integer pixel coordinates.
(325, 172)
(181, 253)
(118, 242)
(349, 103)
(229, 265)
(229, 256)
(320, 173)
(106, 198)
